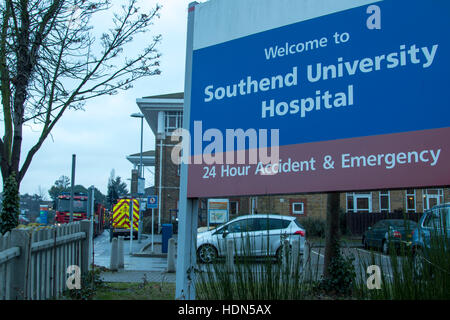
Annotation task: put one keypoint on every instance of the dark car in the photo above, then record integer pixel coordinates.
(389, 232)
(433, 227)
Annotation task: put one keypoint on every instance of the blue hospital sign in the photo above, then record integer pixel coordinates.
(359, 96)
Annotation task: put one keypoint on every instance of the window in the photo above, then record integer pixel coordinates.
(410, 200)
(234, 207)
(359, 202)
(244, 225)
(385, 201)
(298, 208)
(432, 220)
(432, 197)
(174, 120)
(350, 206)
(272, 224)
(445, 217)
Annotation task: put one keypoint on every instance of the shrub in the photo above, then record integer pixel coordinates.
(11, 203)
(90, 283)
(341, 276)
(314, 227)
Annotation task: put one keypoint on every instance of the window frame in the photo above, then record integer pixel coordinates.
(294, 201)
(384, 193)
(407, 210)
(178, 116)
(301, 212)
(426, 195)
(356, 196)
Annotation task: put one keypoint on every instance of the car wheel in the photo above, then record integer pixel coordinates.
(207, 253)
(385, 247)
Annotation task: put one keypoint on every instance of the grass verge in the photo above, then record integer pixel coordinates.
(135, 291)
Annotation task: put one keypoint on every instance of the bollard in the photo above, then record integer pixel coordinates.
(114, 262)
(230, 256)
(171, 256)
(120, 250)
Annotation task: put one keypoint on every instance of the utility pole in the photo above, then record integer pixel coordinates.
(140, 175)
(91, 210)
(72, 187)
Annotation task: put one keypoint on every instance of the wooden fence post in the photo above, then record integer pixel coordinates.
(85, 226)
(21, 239)
(230, 255)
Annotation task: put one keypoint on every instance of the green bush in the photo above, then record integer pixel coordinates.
(341, 278)
(90, 283)
(11, 203)
(314, 227)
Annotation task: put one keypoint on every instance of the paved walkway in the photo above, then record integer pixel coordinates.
(142, 263)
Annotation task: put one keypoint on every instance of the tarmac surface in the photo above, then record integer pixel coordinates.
(148, 263)
(142, 264)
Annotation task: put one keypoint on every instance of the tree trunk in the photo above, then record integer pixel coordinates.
(332, 230)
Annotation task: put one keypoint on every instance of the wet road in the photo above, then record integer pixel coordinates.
(102, 254)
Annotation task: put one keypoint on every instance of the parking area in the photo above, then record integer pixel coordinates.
(362, 259)
(138, 267)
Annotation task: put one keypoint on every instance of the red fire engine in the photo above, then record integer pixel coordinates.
(80, 209)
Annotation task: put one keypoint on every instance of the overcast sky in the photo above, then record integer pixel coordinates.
(104, 134)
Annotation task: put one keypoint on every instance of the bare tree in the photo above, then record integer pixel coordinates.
(42, 193)
(50, 62)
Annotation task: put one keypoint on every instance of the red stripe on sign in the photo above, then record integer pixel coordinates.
(411, 159)
(191, 9)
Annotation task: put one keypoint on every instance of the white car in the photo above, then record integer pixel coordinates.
(253, 235)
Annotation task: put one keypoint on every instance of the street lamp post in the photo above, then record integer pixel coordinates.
(141, 171)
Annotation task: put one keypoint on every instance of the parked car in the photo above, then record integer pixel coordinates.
(433, 223)
(264, 232)
(389, 232)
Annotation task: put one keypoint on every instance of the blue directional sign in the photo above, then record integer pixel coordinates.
(152, 202)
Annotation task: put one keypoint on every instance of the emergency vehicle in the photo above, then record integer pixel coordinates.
(120, 218)
(80, 209)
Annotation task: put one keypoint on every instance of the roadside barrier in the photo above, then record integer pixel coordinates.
(34, 262)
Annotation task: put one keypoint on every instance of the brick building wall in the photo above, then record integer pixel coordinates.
(398, 199)
(170, 181)
(314, 205)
